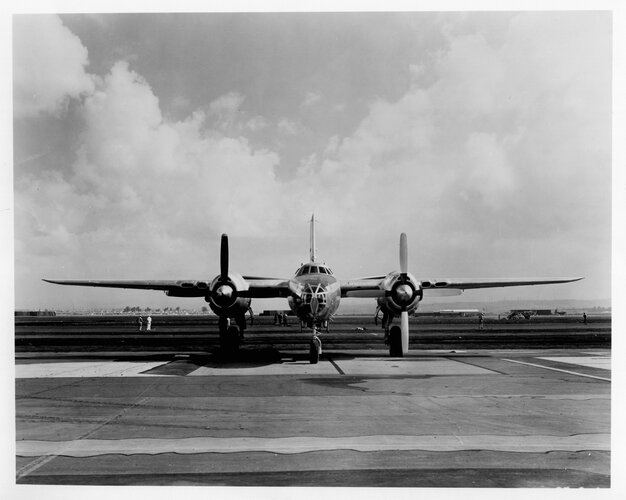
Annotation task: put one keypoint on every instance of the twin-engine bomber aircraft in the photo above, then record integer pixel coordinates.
(313, 294)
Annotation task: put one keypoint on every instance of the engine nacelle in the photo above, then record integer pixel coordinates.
(224, 298)
(402, 293)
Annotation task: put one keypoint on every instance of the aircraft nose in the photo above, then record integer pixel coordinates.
(315, 297)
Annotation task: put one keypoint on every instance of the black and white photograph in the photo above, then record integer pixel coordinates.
(307, 250)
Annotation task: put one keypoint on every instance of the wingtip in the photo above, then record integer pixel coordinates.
(54, 282)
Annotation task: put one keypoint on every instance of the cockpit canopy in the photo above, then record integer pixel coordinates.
(313, 269)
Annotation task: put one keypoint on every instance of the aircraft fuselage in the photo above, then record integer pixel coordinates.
(320, 297)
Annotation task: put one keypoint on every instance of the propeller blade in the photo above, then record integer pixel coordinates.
(404, 328)
(224, 258)
(404, 266)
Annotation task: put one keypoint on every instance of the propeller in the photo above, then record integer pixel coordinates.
(404, 289)
(224, 258)
(404, 329)
(404, 265)
(223, 293)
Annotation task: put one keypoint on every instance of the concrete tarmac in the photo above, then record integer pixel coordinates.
(435, 418)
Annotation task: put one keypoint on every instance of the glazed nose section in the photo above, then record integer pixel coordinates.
(315, 297)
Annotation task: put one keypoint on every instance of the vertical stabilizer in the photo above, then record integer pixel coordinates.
(312, 249)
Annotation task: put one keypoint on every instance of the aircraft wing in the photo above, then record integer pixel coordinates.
(264, 288)
(363, 288)
(257, 287)
(372, 287)
(181, 288)
(470, 284)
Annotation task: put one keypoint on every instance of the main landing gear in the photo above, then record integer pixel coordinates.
(397, 337)
(230, 336)
(394, 339)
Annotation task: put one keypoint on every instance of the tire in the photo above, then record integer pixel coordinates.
(395, 342)
(314, 352)
(229, 341)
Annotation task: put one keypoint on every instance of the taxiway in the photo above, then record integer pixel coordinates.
(435, 418)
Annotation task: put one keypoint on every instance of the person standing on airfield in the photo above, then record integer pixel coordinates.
(585, 318)
(149, 323)
(140, 322)
(481, 321)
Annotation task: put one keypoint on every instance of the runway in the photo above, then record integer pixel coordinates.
(435, 418)
(198, 334)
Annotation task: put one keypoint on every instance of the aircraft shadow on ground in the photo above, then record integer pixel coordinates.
(245, 358)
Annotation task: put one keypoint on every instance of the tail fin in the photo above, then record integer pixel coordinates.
(312, 249)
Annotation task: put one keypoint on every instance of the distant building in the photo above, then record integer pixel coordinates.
(534, 312)
(35, 313)
(459, 312)
(449, 312)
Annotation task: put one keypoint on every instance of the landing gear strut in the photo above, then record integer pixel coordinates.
(315, 348)
(395, 342)
(229, 337)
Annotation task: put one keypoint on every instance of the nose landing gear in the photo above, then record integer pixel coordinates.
(315, 348)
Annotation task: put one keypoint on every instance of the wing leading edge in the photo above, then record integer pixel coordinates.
(256, 288)
(373, 287)
(470, 284)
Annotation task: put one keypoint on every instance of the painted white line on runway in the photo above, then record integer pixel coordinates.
(292, 445)
(557, 369)
(602, 362)
(426, 366)
(85, 369)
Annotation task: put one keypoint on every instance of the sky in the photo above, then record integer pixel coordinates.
(139, 138)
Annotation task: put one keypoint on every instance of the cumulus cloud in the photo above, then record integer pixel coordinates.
(310, 99)
(498, 141)
(497, 131)
(144, 183)
(226, 109)
(287, 127)
(49, 65)
(257, 123)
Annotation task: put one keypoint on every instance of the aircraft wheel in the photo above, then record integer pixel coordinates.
(229, 341)
(314, 351)
(395, 342)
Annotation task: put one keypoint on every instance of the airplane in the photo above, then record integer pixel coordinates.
(314, 295)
